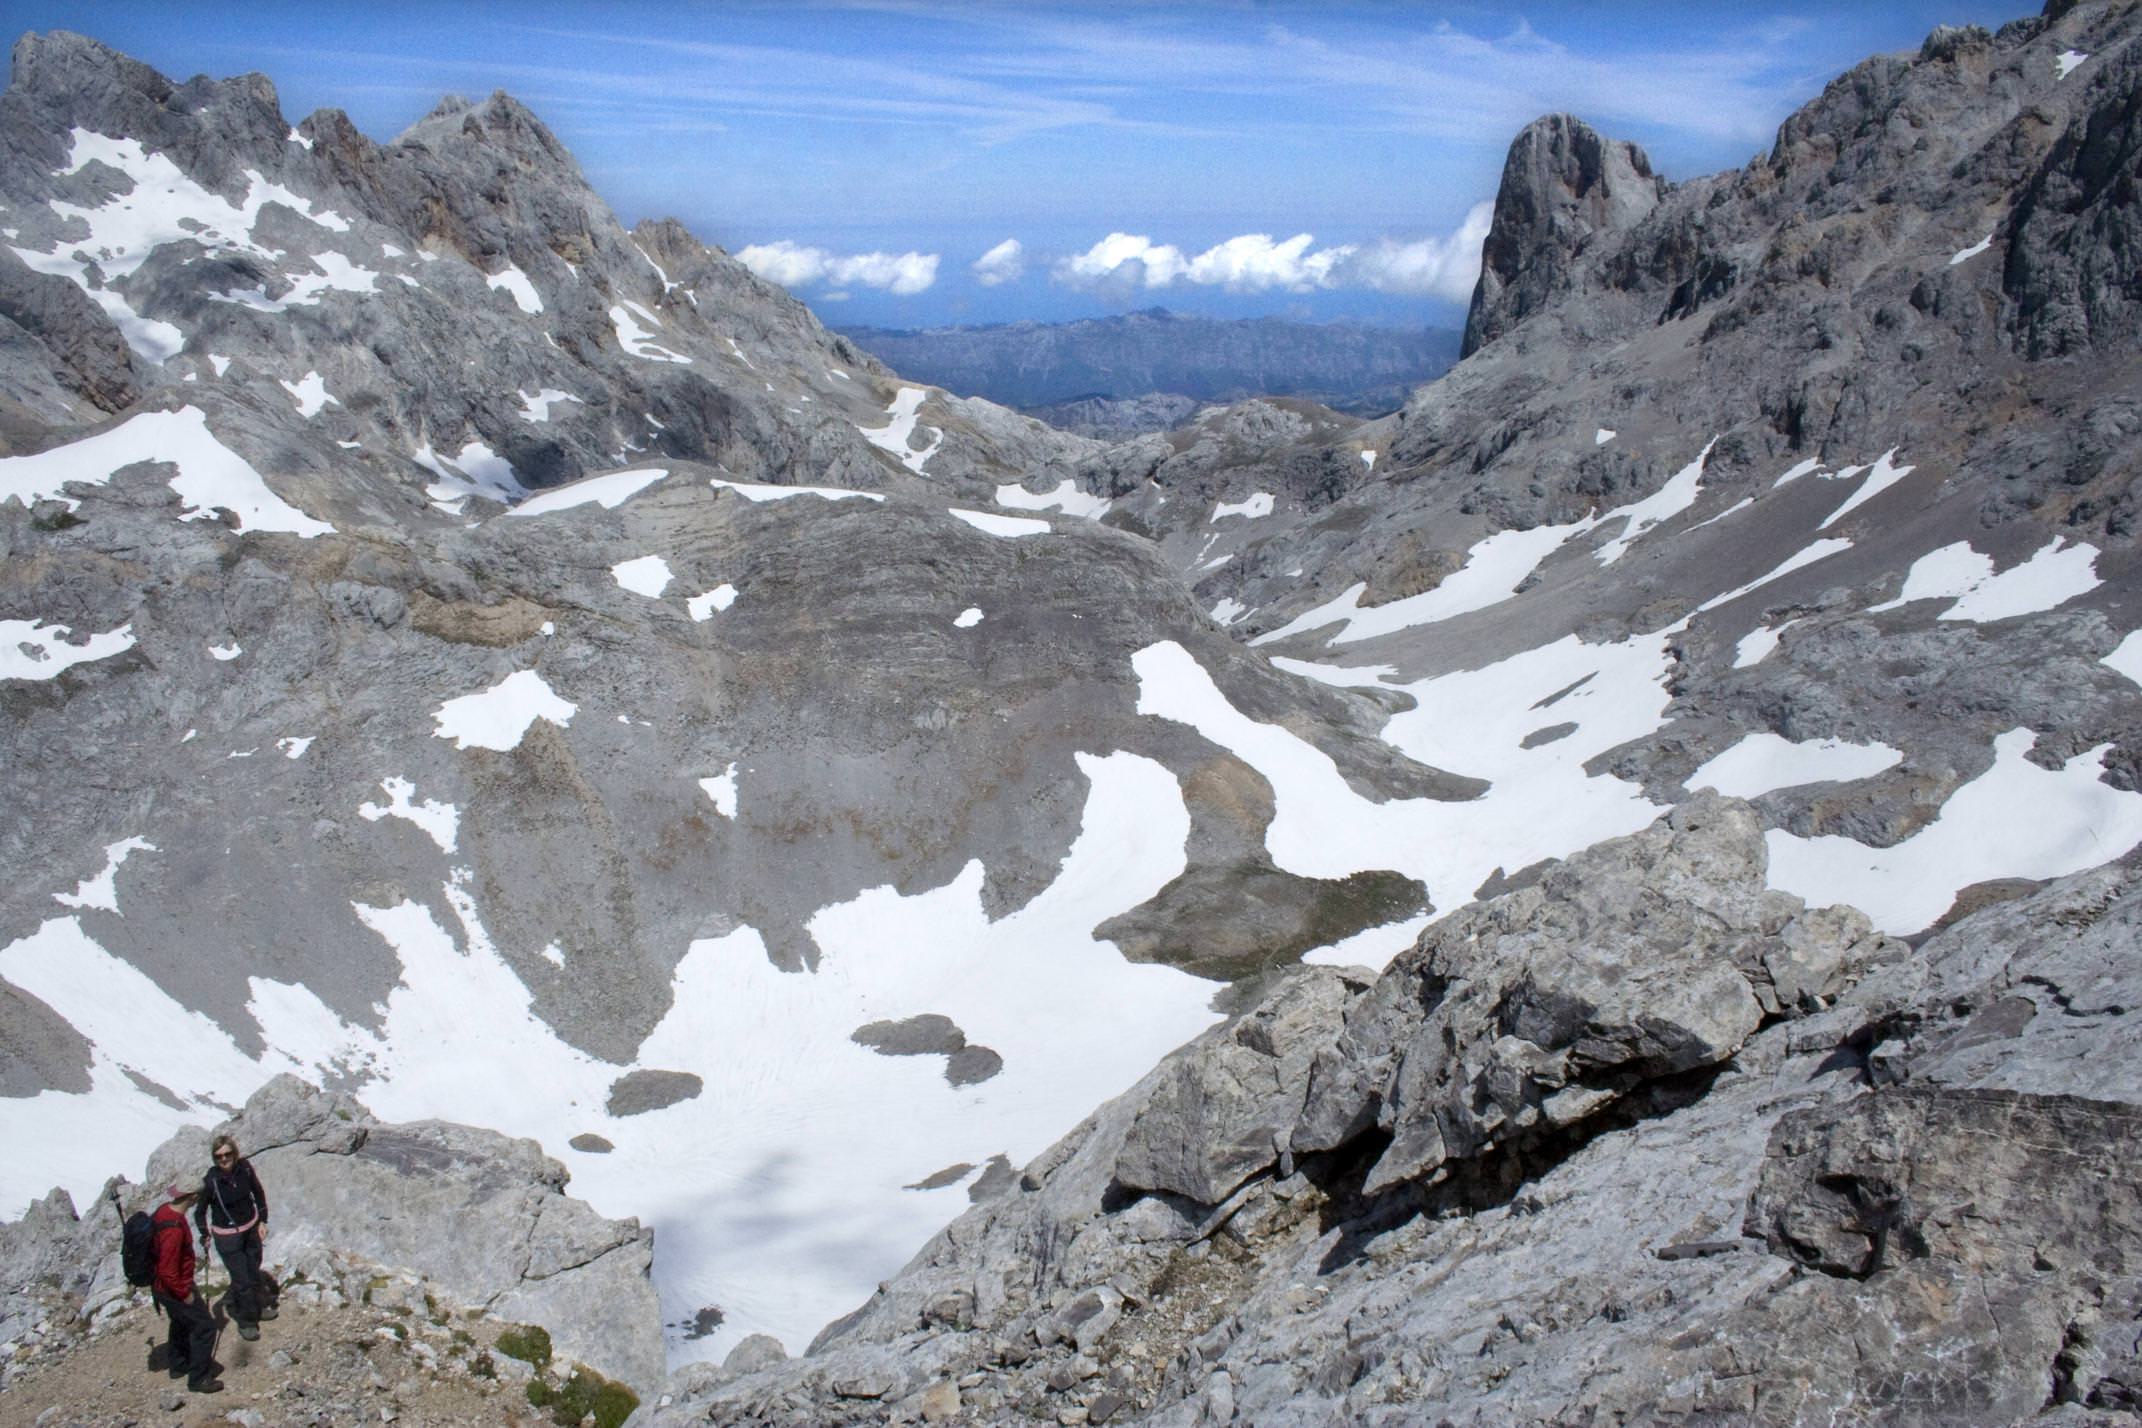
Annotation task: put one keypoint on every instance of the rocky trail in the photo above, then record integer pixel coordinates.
(320, 1363)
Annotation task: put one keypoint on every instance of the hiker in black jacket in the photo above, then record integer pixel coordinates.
(233, 1213)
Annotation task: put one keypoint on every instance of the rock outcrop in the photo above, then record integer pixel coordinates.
(483, 1221)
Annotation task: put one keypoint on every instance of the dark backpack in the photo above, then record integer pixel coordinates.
(137, 1247)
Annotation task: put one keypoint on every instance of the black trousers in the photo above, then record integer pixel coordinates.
(241, 1260)
(192, 1342)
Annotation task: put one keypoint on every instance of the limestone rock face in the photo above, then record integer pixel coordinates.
(1636, 961)
(483, 1217)
(1220, 1116)
(1564, 187)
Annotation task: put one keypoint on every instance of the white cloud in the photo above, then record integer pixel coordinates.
(1254, 262)
(793, 265)
(1122, 260)
(1000, 264)
(1431, 267)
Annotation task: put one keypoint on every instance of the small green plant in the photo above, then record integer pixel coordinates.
(586, 1392)
(530, 1343)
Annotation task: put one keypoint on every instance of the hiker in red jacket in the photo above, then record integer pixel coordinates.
(191, 1347)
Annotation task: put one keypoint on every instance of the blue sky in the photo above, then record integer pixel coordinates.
(1235, 159)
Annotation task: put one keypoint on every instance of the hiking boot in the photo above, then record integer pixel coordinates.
(204, 1385)
(248, 1332)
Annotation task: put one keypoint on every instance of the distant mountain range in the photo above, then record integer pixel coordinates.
(1347, 365)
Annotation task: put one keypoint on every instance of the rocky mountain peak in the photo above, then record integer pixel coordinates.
(1563, 185)
(499, 122)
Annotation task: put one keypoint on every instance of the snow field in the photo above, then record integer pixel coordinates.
(1495, 567)
(159, 205)
(778, 1193)
(208, 475)
(1540, 803)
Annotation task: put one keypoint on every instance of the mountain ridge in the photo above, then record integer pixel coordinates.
(1684, 744)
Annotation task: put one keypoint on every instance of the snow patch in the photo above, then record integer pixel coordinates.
(1495, 567)
(2065, 62)
(1067, 497)
(645, 575)
(894, 436)
(294, 748)
(1764, 762)
(1808, 555)
(702, 607)
(1880, 477)
(610, 490)
(1252, 507)
(498, 717)
(2016, 820)
(1756, 645)
(101, 891)
(31, 649)
(1228, 611)
(230, 651)
(332, 273)
(516, 284)
(2054, 575)
(311, 393)
(441, 822)
(1966, 254)
(637, 340)
(1603, 435)
(209, 475)
(722, 789)
(1009, 527)
(2126, 657)
(536, 406)
(476, 471)
(760, 491)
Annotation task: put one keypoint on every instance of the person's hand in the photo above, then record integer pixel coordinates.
(263, 1231)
